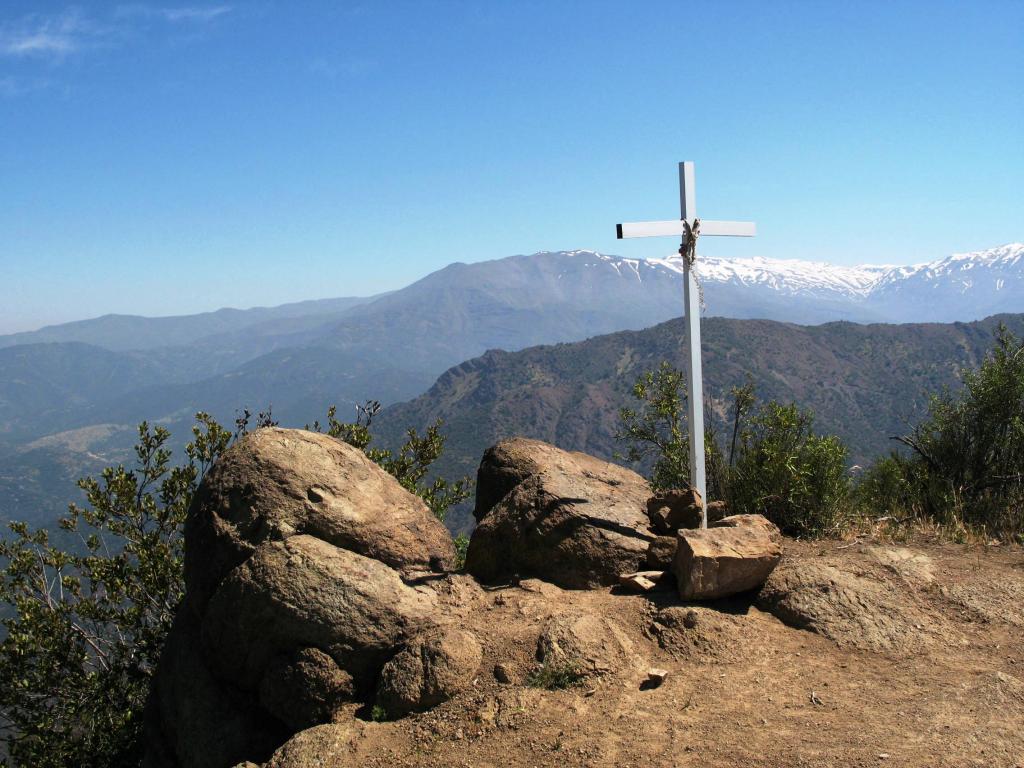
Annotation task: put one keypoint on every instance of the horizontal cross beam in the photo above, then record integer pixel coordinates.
(675, 227)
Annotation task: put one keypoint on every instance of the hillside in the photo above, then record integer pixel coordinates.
(81, 388)
(865, 383)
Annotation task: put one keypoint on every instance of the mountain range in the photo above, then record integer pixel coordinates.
(865, 383)
(71, 394)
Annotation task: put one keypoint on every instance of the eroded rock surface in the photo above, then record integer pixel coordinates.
(584, 642)
(275, 483)
(566, 517)
(431, 669)
(296, 547)
(726, 560)
(846, 608)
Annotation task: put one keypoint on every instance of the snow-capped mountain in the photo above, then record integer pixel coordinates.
(961, 287)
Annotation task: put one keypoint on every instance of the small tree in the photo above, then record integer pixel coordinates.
(966, 461)
(657, 431)
(87, 625)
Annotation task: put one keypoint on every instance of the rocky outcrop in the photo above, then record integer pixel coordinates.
(296, 547)
(670, 511)
(304, 592)
(566, 517)
(848, 609)
(725, 560)
(584, 643)
(431, 669)
(275, 483)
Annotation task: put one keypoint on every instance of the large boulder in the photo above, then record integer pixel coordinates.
(275, 483)
(301, 558)
(431, 669)
(304, 592)
(725, 560)
(566, 517)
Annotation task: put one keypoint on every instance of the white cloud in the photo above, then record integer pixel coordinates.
(56, 36)
(46, 36)
(192, 13)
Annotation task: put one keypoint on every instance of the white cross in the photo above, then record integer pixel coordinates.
(688, 213)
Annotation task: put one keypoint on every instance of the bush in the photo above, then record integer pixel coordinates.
(553, 677)
(87, 627)
(966, 460)
(656, 432)
(84, 629)
(775, 464)
(795, 478)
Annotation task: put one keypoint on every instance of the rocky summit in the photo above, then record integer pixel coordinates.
(325, 624)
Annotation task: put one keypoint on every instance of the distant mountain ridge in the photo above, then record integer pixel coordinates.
(972, 286)
(70, 395)
(864, 383)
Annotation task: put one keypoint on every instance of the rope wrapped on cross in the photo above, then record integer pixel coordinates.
(688, 250)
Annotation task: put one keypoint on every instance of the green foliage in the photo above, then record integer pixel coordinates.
(966, 465)
(776, 465)
(461, 548)
(555, 676)
(657, 429)
(410, 464)
(378, 714)
(87, 626)
(795, 478)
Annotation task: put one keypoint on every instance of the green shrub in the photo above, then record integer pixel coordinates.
(775, 464)
(655, 432)
(784, 471)
(966, 458)
(555, 676)
(84, 628)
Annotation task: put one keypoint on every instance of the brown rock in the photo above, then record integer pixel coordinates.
(431, 669)
(661, 553)
(588, 643)
(669, 511)
(642, 581)
(718, 562)
(851, 610)
(193, 719)
(655, 677)
(565, 517)
(274, 483)
(305, 592)
(503, 673)
(305, 688)
(716, 511)
(325, 746)
(750, 521)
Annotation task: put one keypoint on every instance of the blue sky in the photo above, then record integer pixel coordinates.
(161, 159)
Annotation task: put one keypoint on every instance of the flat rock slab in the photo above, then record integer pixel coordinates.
(719, 562)
(568, 518)
(850, 610)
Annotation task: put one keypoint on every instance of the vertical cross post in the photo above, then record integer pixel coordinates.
(683, 227)
(694, 380)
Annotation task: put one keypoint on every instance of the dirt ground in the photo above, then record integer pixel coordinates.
(743, 688)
